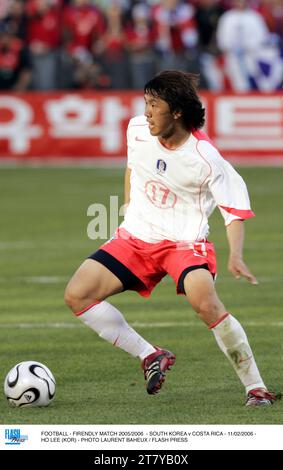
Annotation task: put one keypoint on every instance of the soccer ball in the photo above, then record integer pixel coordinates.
(30, 383)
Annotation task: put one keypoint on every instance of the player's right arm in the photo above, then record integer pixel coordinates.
(127, 186)
(127, 180)
(136, 123)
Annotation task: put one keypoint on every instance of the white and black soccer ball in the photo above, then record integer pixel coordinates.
(30, 383)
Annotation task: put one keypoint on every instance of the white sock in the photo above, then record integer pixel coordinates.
(110, 324)
(232, 340)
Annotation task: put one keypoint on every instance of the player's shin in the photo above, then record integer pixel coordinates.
(232, 340)
(110, 325)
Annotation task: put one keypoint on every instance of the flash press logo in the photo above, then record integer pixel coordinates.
(105, 219)
(13, 437)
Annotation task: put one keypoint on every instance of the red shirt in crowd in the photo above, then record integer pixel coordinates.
(82, 25)
(43, 29)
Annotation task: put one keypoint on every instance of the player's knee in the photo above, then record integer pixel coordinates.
(73, 299)
(78, 299)
(69, 298)
(208, 308)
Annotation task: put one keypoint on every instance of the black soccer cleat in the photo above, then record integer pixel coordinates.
(154, 367)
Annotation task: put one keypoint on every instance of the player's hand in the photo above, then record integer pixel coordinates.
(239, 269)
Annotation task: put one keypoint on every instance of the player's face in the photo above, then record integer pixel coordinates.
(160, 120)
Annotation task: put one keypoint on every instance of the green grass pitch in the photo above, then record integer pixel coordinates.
(43, 239)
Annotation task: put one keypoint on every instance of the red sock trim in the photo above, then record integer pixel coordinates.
(87, 308)
(219, 320)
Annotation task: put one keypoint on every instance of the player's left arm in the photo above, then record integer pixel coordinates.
(231, 196)
(236, 265)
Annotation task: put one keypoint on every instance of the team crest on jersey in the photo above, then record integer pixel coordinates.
(161, 166)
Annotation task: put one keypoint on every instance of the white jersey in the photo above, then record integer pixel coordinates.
(173, 192)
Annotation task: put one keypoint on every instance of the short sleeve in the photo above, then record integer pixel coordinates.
(229, 191)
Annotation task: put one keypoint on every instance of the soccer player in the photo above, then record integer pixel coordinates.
(174, 179)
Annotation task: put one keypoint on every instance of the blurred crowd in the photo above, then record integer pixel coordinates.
(234, 45)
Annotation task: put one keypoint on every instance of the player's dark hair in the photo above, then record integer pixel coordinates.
(178, 89)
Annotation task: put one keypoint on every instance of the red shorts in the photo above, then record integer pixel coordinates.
(150, 262)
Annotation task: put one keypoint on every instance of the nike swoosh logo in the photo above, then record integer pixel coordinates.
(140, 140)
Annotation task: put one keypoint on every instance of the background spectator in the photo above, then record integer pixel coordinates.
(140, 43)
(43, 39)
(111, 49)
(207, 16)
(15, 64)
(251, 59)
(83, 25)
(3, 8)
(176, 35)
(272, 12)
(16, 19)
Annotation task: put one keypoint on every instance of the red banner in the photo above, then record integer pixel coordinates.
(93, 124)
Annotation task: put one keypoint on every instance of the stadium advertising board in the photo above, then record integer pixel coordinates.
(93, 124)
